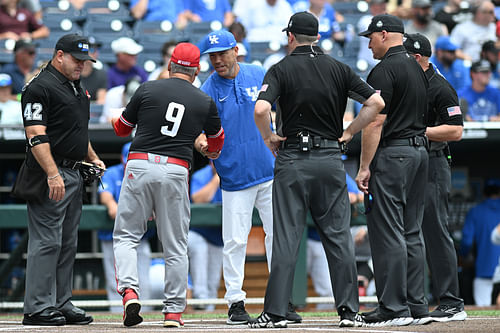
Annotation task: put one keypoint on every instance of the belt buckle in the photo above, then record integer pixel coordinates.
(414, 141)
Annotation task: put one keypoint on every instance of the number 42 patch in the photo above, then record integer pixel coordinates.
(33, 111)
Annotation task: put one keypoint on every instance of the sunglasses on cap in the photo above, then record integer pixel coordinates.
(368, 203)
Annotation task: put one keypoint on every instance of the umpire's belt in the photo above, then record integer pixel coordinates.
(414, 141)
(160, 159)
(314, 144)
(436, 153)
(70, 164)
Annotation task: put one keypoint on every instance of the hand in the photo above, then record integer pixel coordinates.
(346, 137)
(112, 209)
(100, 164)
(362, 180)
(56, 188)
(201, 143)
(274, 142)
(359, 237)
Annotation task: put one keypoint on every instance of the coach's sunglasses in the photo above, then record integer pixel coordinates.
(368, 202)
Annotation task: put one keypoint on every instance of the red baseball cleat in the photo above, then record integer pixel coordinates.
(173, 320)
(131, 308)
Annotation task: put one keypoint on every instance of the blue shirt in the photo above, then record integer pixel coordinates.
(160, 10)
(209, 10)
(457, 74)
(479, 223)
(17, 77)
(199, 179)
(481, 106)
(327, 22)
(245, 160)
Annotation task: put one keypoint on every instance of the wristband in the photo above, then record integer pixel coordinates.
(53, 177)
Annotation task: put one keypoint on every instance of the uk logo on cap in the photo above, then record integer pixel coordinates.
(213, 39)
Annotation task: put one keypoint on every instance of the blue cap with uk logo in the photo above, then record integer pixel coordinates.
(78, 46)
(218, 41)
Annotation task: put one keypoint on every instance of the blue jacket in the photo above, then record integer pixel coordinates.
(479, 223)
(457, 74)
(245, 160)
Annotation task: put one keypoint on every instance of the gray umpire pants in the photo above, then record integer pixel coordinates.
(314, 182)
(441, 254)
(53, 235)
(397, 183)
(163, 188)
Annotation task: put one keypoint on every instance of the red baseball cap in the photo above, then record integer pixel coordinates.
(186, 54)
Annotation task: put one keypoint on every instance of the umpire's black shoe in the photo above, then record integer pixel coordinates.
(445, 313)
(268, 320)
(77, 316)
(292, 317)
(48, 317)
(377, 319)
(349, 318)
(237, 315)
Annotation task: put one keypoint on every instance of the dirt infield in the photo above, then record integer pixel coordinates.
(102, 323)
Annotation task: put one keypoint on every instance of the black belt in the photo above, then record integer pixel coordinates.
(70, 164)
(414, 141)
(436, 153)
(315, 144)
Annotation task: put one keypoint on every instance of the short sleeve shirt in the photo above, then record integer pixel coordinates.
(50, 100)
(22, 21)
(402, 84)
(311, 90)
(169, 115)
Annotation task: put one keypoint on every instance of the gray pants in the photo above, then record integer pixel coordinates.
(398, 181)
(53, 234)
(441, 255)
(163, 188)
(312, 182)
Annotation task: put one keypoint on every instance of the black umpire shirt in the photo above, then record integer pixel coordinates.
(443, 104)
(312, 89)
(403, 86)
(51, 100)
(169, 115)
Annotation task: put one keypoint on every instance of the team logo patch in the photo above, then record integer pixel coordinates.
(83, 47)
(130, 176)
(416, 45)
(213, 39)
(454, 111)
(157, 159)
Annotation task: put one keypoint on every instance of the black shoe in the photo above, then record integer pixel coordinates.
(445, 313)
(48, 317)
(77, 316)
(237, 315)
(422, 319)
(377, 319)
(292, 317)
(267, 320)
(349, 318)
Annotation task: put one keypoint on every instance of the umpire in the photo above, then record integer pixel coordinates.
(444, 123)
(311, 91)
(396, 175)
(56, 116)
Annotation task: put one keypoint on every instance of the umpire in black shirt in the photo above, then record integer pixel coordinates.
(311, 90)
(56, 116)
(444, 123)
(393, 168)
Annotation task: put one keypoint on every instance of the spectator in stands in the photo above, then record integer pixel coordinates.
(33, 6)
(423, 23)
(205, 243)
(94, 77)
(479, 224)
(470, 35)
(328, 25)
(263, 19)
(159, 10)
(480, 101)
(24, 62)
(495, 295)
(10, 110)
(490, 52)
(377, 7)
(452, 68)
(19, 23)
(126, 51)
(208, 11)
(109, 194)
(166, 53)
(240, 34)
(118, 97)
(453, 13)
(242, 52)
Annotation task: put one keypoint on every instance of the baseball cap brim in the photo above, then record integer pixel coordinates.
(81, 56)
(365, 33)
(217, 49)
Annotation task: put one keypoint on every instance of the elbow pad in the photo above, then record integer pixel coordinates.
(216, 141)
(123, 127)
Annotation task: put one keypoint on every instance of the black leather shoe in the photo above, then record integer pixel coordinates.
(77, 316)
(48, 317)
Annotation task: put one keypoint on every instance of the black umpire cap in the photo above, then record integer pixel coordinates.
(389, 23)
(303, 23)
(78, 46)
(417, 44)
